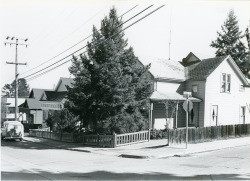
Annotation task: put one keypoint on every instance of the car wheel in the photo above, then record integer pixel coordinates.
(21, 139)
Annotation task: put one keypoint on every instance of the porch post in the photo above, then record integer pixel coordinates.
(150, 116)
(176, 115)
(166, 107)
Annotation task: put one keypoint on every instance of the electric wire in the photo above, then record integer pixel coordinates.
(32, 78)
(85, 45)
(70, 46)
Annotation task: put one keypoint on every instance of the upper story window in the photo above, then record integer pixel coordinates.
(242, 88)
(194, 88)
(225, 82)
(155, 86)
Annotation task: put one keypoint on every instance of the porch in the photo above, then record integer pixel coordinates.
(166, 110)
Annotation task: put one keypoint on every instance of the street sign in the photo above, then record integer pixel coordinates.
(187, 105)
(187, 94)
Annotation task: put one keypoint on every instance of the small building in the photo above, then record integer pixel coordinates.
(8, 109)
(41, 101)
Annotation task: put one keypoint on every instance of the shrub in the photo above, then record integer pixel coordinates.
(159, 134)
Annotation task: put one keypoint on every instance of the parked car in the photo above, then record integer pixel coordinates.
(12, 130)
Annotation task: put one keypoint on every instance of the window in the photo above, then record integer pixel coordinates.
(243, 114)
(11, 110)
(242, 88)
(225, 82)
(194, 88)
(155, 86)
(215, 114)
(191, 118)
(228, 82)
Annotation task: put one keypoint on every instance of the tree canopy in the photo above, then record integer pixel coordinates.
(23, 88)
(111, 86)
(229, 41)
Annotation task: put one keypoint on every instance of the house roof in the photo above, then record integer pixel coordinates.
(65, 81)
(201, 70)
(53, 96)
(31, 103)
(165, 69)
(190, 59)
(37, 93)
(161, 96)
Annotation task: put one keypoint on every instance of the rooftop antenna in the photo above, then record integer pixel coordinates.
(170, 33)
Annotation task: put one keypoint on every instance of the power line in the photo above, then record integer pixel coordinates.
(83, 46)
(71, 46)
(82, 24)
(32, 78)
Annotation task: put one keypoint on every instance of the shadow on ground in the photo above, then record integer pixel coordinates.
(104, 175)
(43, 145)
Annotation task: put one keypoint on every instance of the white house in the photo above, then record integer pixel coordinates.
(9, 108)
(220, 92)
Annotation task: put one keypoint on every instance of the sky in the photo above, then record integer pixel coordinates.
(52, 26)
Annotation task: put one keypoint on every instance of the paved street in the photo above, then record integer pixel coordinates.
(36, 161)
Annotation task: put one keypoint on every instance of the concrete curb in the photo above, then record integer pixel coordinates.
(133, 156)
(75, 149)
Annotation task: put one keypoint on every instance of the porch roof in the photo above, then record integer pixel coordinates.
(174, 96)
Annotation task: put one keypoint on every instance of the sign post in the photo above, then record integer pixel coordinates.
(187, 106)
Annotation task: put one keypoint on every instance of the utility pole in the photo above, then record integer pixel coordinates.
(249, 41)
(16, 68)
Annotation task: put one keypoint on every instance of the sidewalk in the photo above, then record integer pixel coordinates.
(151, 149)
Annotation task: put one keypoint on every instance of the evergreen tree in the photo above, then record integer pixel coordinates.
(23, 88)
(245, 66)
(229, 41)
(111, 88)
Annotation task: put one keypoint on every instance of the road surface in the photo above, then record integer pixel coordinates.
(35, 161)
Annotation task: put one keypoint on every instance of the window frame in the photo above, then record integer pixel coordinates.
(196, 88)
(216, 115)
(242, 88)
(243, 116)
(225, 85)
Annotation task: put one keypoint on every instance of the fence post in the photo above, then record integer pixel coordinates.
(148, 134)
(98, 140)
(83, 138)
(168, 136)
(114, 139)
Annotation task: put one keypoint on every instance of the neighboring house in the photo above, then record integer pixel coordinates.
(41, 101)
(32, 108)
(221, 93)
(8, 109)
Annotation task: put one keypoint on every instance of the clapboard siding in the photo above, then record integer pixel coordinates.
(228, 103)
